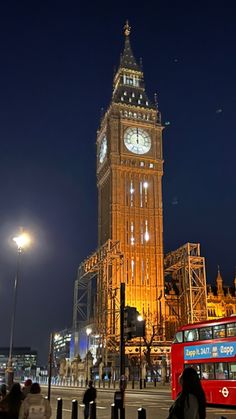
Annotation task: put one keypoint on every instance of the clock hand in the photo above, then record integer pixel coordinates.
(137, 135)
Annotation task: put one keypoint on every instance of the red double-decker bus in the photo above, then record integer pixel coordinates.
(209, 347)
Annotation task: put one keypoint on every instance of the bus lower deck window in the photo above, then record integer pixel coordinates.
(207, 371)
(221, 371)
(232, 370)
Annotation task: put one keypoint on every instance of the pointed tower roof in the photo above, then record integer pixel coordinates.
(127, 59)
(128, 83)
(219, 277)
(219, 282)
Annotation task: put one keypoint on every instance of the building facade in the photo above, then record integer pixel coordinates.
(24, 361)
(62, 345)
(221, 299)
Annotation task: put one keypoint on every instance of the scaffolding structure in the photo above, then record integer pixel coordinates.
(187, 270)
(97, 302)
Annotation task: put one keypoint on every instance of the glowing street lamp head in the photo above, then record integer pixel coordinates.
(88, 331)
(22, 241)
(139, 318)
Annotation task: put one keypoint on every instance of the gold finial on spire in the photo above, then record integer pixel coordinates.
(127, 28)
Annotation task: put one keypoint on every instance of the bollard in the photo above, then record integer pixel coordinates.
(141, 413)
(114, 411)
(93, 410)
(74, 411)
(132, 384)
(99, 383)
(114, 384)
(155, 382)
(103, 383)
(140, 383)
(59, 408)
(144, 383)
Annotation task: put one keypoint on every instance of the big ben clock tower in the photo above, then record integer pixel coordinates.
(129, 180)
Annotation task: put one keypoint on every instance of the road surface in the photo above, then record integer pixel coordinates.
(156, 402)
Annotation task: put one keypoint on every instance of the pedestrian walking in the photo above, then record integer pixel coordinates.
(27, 387)
(3, 391)
(89, 396)
(10, 404)
(35, 406)
(191, 401)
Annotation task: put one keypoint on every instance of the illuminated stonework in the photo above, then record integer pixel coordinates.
(221, 300)
(130, 190)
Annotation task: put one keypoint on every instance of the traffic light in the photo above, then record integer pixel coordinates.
(141, 328)
(133, 327)
(129, 322)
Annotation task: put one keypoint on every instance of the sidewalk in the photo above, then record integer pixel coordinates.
(104, 387)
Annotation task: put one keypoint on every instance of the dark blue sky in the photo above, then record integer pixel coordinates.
(57, 63)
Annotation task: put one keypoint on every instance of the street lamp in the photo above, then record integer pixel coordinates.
(140, 319)
(22, 241)
(88, 333)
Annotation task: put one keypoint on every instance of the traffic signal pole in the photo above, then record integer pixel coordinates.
(122, 351)
(122, 338)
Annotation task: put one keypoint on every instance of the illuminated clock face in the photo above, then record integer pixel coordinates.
(103, 150)
(137, 140)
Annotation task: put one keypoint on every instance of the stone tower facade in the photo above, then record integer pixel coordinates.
(129, 181)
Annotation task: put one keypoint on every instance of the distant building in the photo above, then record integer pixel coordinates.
(23, 358)
(62, 345)
(221, 299)
(220, 302)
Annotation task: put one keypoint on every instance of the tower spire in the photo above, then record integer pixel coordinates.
(127, 28)
(219, 282)
(127, 58)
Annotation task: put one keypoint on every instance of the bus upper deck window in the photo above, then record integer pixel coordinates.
(231, 329)
(219, 331)
(191, 335)
(205, 333)
(178, 337)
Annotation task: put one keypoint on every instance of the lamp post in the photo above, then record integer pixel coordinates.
(140, 319)
(22, 241)
(88, 333)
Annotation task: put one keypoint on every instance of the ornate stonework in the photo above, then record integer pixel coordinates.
(129, 176)
(221, 300)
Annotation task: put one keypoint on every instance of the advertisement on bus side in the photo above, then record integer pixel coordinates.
(210, 350)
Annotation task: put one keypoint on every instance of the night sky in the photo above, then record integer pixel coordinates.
(57, 64)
